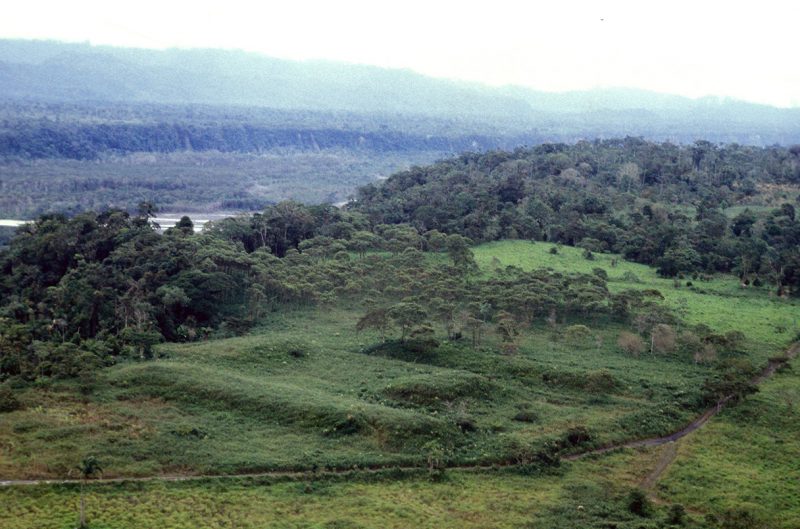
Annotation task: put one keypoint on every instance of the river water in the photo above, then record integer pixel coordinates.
(164, 222)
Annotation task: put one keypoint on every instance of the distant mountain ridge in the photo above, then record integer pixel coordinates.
(79, 72)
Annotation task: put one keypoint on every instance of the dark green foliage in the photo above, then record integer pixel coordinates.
(653, 422)
(676, 515)
(639, 504)
(348, 426)
(436, 391)
(526, 416)
(410, 350)
(191, 432)
(576, 436)
(81, 291)
(739, 519)
(8, 401)
(732, 378)
(89, 467)
(599, 381)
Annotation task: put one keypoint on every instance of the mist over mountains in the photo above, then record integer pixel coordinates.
(68, 73)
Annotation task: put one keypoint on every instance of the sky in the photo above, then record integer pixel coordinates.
(744, 50)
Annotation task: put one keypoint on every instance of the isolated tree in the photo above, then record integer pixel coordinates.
(577, 334)
(376, 318)
(362, 241)
(733, 378)
(435, 457)
(88, 468)
(444, 311)
(662, 339)
(185, 225)
(459, 252)
(508, 330)
(437, 240)
(406, 315)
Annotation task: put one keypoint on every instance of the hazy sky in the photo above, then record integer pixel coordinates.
(748, 50)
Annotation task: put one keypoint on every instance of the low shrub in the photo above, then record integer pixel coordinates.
(576, 436)
(639, 504)
(350, 425)
(430, 390)
(578, 334)
(676, 515)
(526, 416)
(599, 381)
(630, 343)
(412, 350)
(630, 277)
(740, 518)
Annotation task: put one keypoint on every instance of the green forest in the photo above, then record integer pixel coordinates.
(513, 313)
(70, 157)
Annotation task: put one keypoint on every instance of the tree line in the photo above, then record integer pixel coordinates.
(90, 141)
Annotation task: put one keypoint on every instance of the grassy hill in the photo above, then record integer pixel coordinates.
(304, 391)
(712, 474)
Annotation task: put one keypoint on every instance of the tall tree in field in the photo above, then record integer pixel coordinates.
(376, 318)
(407, 315)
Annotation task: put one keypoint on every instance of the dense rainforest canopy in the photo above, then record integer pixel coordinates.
(659, 204)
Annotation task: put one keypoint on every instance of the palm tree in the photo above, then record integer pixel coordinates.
(88, 468)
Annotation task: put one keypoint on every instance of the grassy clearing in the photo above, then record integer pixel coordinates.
(769, 322)
(460, 501)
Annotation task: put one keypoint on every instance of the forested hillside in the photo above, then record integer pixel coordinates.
(659, 204)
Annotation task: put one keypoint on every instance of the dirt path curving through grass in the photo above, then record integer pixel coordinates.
(668, 455)
(768, 371)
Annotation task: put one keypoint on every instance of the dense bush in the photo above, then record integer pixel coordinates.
(8, 401)
(630, 343)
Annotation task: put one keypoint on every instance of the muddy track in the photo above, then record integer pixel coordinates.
(697, 423)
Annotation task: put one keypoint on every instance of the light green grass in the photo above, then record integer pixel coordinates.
(747, 457)
(769, 322)
(246, 404)
(463, 499)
